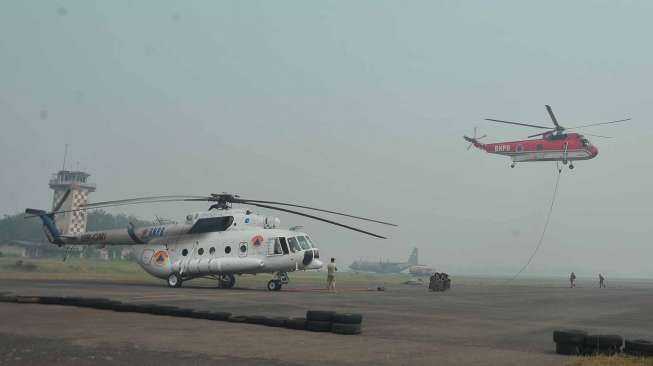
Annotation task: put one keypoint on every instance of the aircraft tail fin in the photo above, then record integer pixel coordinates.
(413, 260)
(52, 232)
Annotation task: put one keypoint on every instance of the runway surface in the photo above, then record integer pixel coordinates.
(476, 322)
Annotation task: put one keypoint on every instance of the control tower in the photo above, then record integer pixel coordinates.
(70, 192)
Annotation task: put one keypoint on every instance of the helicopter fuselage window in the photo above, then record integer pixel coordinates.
(243, 248)
(274, 246)
(303, 242)
(227, 249)
(212, 250)
(284, 246)
(184, 252)
(200, 251)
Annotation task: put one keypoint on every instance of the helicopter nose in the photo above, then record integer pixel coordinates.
(594, 151)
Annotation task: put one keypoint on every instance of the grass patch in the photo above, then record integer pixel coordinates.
(617, 360)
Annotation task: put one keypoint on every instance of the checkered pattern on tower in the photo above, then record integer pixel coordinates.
(78, 221)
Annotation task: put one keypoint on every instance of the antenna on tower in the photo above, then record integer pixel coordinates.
(65, 155)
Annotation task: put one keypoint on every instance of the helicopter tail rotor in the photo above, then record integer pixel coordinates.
(473, 140)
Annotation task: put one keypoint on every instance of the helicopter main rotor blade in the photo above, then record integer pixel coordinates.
(553, 117)
(247, 201)
(62, 201)
(318, 218)
(601, 136)
(598, 124)
(139, 200)
(517, 123)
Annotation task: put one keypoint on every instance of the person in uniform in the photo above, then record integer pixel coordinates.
(572, 280)
(331, 275)
(601, 281)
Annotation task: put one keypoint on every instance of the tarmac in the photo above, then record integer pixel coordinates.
(477, 322)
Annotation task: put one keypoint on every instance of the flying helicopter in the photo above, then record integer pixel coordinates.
(552, 145)
(217, 244)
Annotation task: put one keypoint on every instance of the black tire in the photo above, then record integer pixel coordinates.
(142, 308)
(50, 300)
(255, 319)
(227, 281)
(602, 344)
(296, 323)
(8, 298)
(572, 336)
(274, 285)
(318, 326)
(219, 315)
(174, 280)
(72, 301)
(638, 347)
(568, 349)
(237, 319)
(163, 310)
(275, 322)
(182, 312)
(125, 308)
(105, 305)
(320, 315)
(345, 328)
(347, 318)
(27, 299)
(200, 314)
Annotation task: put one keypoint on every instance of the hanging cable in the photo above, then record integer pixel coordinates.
(546, 224)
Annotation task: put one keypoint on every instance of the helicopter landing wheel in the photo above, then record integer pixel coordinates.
(174, 280)
(571, 166)
(274, 285)
(512, 165)
(227, 281)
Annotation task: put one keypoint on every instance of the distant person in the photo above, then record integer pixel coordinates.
(601, 281)
(572, 280)
(331, 275)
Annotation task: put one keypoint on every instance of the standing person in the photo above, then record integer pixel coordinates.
(601, 281)
(331, 275)
(572, 280)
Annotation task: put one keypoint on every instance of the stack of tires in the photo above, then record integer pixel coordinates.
(569, 342)
(330, 321)
(578, 342)
(602, 344)
(639, 347)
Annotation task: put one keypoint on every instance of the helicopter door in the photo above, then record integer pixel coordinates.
(284, 246)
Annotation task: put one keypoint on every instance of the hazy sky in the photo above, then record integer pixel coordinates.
(353, 106)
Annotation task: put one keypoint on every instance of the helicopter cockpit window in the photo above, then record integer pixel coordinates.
(294, 245)
(586, 142)
(211, 224)
(284, 245)
(304, 243)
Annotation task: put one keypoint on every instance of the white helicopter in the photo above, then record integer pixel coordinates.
(216, 244)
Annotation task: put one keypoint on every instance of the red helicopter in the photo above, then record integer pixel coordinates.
(554, 144)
